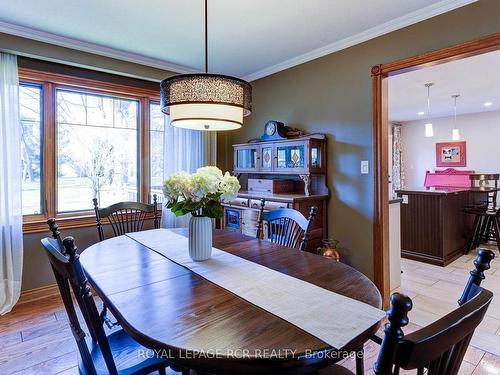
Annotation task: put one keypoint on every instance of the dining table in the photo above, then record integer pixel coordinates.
(197, 324)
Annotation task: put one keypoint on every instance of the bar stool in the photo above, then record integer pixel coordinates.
(485, 181)
(486, 225)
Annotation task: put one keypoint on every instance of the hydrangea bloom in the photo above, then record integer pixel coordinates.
(200, 193)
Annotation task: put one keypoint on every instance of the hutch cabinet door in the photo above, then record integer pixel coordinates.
(292, 157)
(266, 157)
(317, 156)
(246, 158)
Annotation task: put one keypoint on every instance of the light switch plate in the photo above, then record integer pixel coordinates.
(364, 167)
(405, 199)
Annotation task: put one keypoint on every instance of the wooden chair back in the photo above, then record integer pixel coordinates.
(125, 217)
(439, 347)
(481, 264)
(287, 227)
(70, 277)
(476, 180)
(56, 234)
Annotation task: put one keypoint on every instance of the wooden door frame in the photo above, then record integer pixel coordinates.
(379, 74)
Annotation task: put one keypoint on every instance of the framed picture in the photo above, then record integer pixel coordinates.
(451, 154)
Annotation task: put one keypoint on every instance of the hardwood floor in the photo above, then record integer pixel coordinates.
(35, 337)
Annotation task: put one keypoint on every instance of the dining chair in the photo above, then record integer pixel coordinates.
(125, 217)
(113, 354)
(286, 226)
(476, 276)
(438, 348)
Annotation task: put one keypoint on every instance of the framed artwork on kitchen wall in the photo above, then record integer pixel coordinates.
(451, 154)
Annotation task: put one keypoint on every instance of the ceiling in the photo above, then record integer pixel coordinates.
(476, 79)
(248, 39)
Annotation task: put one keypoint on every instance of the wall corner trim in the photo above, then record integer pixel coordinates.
(97, 49)
(427, 12)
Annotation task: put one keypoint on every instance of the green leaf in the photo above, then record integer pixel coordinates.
(213, 209)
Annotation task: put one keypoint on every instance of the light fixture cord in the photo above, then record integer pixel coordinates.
(455, 109)
(206, 36)
(428, 101)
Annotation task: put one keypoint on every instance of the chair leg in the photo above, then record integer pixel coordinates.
(360, 362)
(162, 371)
(482, 231)
(488, 229)
(496, 227)
(475, 233)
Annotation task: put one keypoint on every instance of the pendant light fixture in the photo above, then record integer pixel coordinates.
(204, 101)
(455, 133)
(429, 131)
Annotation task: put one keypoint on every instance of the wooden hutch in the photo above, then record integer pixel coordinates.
(296, 168)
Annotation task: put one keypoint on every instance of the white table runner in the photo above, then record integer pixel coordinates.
(331, 317)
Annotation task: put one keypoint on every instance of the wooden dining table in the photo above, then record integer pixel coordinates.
(197, 324)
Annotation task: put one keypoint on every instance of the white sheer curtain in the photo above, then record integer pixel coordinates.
(11, 217)
(185, 150)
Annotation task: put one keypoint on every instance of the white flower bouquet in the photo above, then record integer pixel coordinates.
(200, 193)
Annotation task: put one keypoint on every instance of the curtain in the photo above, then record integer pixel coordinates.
(398, 177)
(185, 150)
(11, 217)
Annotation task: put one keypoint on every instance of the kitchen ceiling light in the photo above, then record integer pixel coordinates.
(203, 101)
(455, 133)
(488, 104)
(421, 113)
(429, 131)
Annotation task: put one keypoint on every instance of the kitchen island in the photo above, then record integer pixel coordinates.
(434, 227)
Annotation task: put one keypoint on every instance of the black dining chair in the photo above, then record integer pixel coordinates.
(438, 348)
(125, 217)
(476, 276)
(56, 234)
(286, 226)
(113, 354)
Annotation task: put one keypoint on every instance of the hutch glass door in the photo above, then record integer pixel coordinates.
(266, 158)
(246, 159)
(291, 157)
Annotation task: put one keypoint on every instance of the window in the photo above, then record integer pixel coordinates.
(97, 140)
(84, 138)
(30, 114)
(156, 137)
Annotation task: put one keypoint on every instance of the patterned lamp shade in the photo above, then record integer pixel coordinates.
(206, 101)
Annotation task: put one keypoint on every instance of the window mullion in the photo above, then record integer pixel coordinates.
(49, 148)
(144, 151)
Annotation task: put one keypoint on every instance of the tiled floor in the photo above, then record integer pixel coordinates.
(35, 337)
(435, 291)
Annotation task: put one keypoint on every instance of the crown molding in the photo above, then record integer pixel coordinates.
(97, 49)
(430, 11)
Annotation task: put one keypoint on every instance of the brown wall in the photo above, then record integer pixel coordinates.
(36, 269)
(332, 94)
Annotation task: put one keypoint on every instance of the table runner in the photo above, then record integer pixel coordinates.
(337, 319)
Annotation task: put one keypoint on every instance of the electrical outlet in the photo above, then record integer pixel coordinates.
(364, 167)
(405, 199)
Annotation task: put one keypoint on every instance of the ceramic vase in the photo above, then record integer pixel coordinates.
(200, 238)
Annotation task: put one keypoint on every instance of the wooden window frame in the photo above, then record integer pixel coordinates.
(50, 82)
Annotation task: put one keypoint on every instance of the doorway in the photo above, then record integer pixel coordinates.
(380, 74)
